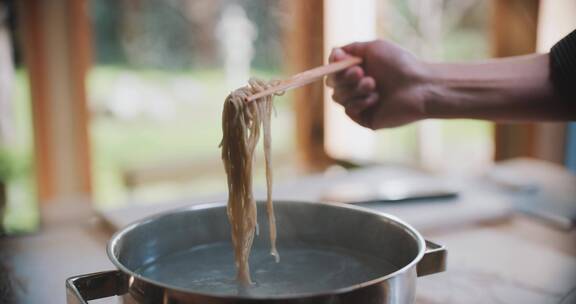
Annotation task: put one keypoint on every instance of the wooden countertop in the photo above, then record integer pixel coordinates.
(515, 261)
(509, 260)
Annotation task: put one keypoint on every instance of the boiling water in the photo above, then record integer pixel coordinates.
(302, 269)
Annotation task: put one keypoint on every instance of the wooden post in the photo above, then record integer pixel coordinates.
(305, 45)
(514, 29)
(56, 40)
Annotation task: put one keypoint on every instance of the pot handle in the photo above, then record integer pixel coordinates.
(433, 261)
(83, 288)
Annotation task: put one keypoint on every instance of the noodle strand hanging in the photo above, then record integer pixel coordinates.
(241, 127)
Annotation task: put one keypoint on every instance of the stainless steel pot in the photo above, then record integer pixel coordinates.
(330, 253)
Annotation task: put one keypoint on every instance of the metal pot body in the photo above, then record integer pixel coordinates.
(328, 225)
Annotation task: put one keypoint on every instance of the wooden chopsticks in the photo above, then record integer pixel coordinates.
(307, 77)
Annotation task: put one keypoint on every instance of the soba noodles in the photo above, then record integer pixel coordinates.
(241, 127)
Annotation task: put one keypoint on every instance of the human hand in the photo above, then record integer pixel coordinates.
(388, 90)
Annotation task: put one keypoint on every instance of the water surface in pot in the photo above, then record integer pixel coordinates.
(304, 268)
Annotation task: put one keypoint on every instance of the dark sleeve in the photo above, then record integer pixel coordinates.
(563, 66)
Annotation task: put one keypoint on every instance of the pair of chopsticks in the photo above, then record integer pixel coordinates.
(307, 77)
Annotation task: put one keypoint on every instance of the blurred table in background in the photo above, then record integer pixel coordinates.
(475, 202)
(494, 256)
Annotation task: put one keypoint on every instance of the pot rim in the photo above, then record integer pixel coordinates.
(200, 206)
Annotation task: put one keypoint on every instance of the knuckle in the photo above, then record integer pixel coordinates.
(335, 96)
(350, 112)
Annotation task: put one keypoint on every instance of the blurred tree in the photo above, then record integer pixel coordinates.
(178, 34)
(155, 34)
(202, 17)
(268, 17)
(425, 26)
(106, 16)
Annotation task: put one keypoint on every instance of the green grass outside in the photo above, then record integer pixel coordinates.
(22, 212)
(193, 134)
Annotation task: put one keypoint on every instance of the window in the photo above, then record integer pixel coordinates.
(162, 70)
(17, 187)
(435, 30)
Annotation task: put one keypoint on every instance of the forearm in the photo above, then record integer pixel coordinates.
(512, 89)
